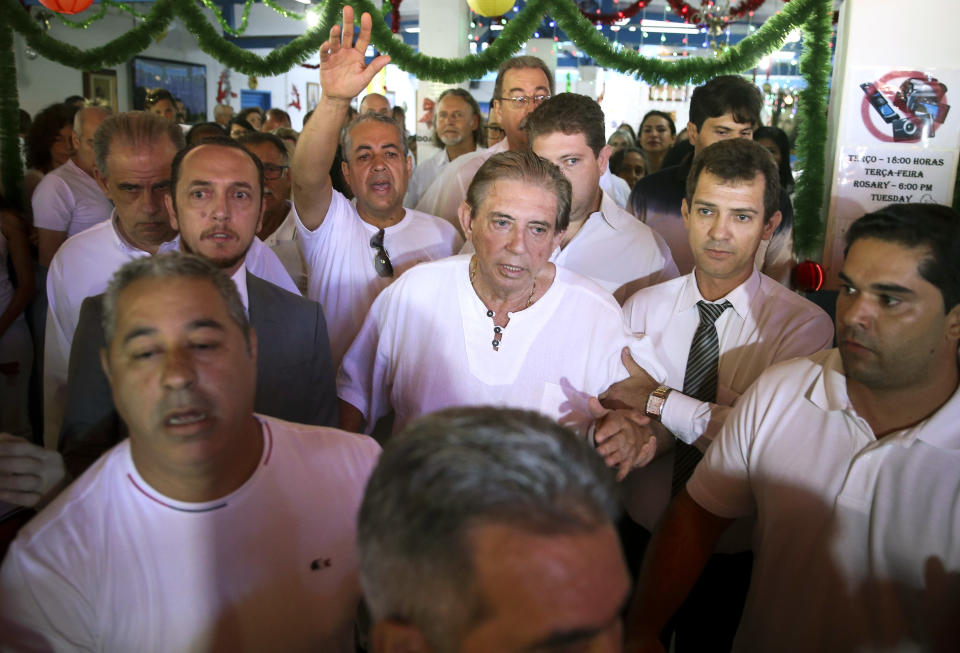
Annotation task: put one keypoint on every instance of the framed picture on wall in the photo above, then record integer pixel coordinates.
(313, 95)
(186, 81)
(101, 87)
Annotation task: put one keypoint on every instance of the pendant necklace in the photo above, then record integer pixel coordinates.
(497, 330)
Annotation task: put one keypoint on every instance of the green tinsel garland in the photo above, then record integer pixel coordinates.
(812, 15)
(812, 132)
(122, 6)
(223, 23)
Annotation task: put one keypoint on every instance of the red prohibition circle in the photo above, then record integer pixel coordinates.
(867, 114)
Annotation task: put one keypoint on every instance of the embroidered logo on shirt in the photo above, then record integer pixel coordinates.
(321, 563)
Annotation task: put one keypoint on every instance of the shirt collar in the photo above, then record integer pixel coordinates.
(829, 392)
(240, 279)
(129, 248)
(740, 297)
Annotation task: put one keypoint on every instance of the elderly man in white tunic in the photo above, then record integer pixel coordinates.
(502, 326)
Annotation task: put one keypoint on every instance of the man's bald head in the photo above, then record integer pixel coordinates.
(375, 103)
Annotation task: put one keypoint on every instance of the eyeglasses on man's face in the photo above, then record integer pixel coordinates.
(272, 171)
(523, 101)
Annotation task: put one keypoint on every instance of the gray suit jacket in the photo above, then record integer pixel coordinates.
(295, 374)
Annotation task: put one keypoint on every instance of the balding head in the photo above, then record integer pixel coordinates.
(85, 125)
(375, 103)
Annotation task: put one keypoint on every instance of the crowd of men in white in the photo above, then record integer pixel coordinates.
(210, 416)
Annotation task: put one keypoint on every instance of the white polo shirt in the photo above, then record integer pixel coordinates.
(766, 324)
(857, 543)
(617, 251)
(68, 199)
(342, 276)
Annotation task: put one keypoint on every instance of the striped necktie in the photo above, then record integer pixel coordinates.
(699, 382)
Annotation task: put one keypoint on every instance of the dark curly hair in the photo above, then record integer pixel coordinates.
(44, 131)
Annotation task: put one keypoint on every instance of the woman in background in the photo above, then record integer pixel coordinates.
(776, 142)
(630, 164)
(657, 132)
(49, 144)
(620, 140)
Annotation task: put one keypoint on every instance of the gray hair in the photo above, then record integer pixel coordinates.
(173, 265)
(346, 143)
(259, 138)
(134, 128)
(527, 167)
(456, 470)
(79, 116)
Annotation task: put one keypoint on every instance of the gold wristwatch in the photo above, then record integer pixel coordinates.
(655, 402)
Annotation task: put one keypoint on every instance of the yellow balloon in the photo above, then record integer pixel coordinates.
(491, 8)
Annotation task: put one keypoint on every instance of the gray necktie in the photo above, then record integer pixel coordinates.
(699, 382)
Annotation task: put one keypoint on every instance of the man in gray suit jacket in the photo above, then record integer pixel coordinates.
(295, 377)
(216, 203)
(215, 207)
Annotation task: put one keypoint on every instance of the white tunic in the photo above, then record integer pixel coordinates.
(856, 545)
(68, 199)
(342, 276)
(113, 565)
(427, 345)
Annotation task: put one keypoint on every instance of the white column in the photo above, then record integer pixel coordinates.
(890, 150)
(443, 33)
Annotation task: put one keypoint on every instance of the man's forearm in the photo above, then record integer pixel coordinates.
(678, 552)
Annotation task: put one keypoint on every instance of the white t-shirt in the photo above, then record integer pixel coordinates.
(340, 262)
(617, 251)
(766, 324)
(615, 187)
(81, 268)
(856, 544)
(423, 176)
(68, 199)
(427, 345)
(445, 194)
(113, 565)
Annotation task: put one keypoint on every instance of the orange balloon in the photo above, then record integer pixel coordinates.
(66, 6)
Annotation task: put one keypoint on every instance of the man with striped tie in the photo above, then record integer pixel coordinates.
(709, 335)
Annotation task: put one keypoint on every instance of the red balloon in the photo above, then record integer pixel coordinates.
(66, 6)
(808, 276)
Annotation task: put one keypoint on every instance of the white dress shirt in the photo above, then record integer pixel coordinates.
(424, 175)
(617, 251)
(446, 193)
(766, 324)
(68, 199)
(615, 187)
(283, 241)
(856, 542)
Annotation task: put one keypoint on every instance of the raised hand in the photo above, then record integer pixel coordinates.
(343, 71)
